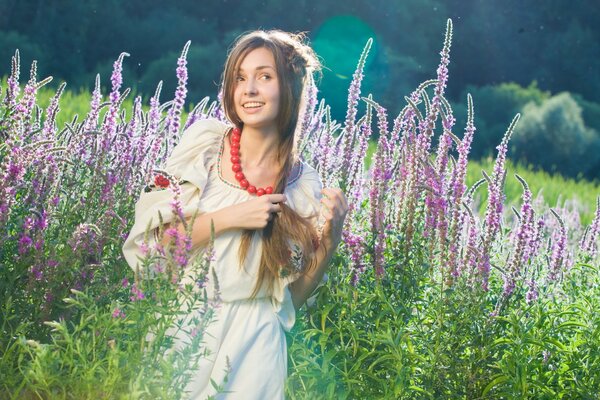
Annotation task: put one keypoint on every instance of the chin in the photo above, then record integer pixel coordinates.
(256, 123)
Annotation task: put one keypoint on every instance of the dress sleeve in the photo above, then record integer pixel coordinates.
(189, 162)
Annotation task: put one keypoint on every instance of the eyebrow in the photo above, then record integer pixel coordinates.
(258, 68)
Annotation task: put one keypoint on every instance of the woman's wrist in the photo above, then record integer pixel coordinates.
(328, 247)
(225, 219)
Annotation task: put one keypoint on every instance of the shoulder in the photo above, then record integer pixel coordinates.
(201, 137)
(196, 149)
(307, 179)
(208, 128)
(308, 173)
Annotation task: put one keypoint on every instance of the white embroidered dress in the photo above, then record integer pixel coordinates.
(247, 332)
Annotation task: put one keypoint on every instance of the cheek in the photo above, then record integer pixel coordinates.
(236, 93)
(236, 98)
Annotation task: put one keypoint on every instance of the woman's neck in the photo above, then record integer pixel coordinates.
(259, 147)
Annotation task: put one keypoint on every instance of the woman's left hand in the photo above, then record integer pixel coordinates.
(334, 210)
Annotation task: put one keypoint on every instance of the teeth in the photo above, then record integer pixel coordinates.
(252, 105)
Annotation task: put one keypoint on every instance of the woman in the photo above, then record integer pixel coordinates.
(264, 203)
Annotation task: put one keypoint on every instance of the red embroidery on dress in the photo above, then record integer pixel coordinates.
(161, 181)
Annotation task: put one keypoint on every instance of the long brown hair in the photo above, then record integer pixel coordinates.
(294, 60)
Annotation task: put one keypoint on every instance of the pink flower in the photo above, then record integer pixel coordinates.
(136, 293)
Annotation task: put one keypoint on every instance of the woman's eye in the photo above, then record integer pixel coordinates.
(266, 77)
(239, 78)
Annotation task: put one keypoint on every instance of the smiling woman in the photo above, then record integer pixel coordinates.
(264, 203)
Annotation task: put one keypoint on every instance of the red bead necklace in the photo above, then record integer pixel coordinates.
(236, 166)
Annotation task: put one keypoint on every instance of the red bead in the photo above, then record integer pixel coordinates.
(235, 138)
(235, 160)
(237, 167)
(236, 131)
(239, 175)
(244, 183)
(260, 192)
(234, 151)
(235, 145)
(251, 189)
(268, 190)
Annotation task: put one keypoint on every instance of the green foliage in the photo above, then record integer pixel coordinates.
(495, 106)
(590, 111)
(553, 136)
(409, 336)
(99, 345)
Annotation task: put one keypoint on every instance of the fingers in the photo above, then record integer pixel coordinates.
(273, 206)
(275, 198)
(336, 195)
(328, 211)
(335, 203)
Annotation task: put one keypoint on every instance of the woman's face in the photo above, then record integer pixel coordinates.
(256, 94)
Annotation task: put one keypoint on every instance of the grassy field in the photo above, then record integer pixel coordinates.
(555, 189)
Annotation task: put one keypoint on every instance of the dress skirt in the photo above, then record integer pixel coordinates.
(247, 353)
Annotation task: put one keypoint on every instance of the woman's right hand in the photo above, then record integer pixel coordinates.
(257, 212)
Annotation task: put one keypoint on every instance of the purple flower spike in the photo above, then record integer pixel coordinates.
(91, 121)
(116, 80)
(353, 97)
(51, 112)
(522, 242)
(532, 292)
(13, 89)
(559, 245)
(590, 241)
(174, 114)
(493, 212)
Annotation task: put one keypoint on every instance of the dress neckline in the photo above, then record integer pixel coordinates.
(236, 186)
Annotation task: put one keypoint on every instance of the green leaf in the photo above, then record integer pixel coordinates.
(420, 390)
(571, 324)
(500, 341)
(496, 381)
(556, 343)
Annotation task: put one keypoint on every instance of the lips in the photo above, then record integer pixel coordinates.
(252, 104)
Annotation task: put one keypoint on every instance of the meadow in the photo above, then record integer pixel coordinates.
(450, 282)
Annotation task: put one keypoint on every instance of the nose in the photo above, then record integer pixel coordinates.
(250, 86)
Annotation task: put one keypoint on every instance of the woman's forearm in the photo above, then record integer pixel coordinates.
(201, 229)
(302, 288)
(252, 214)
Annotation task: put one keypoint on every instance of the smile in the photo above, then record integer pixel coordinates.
(253, 104)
